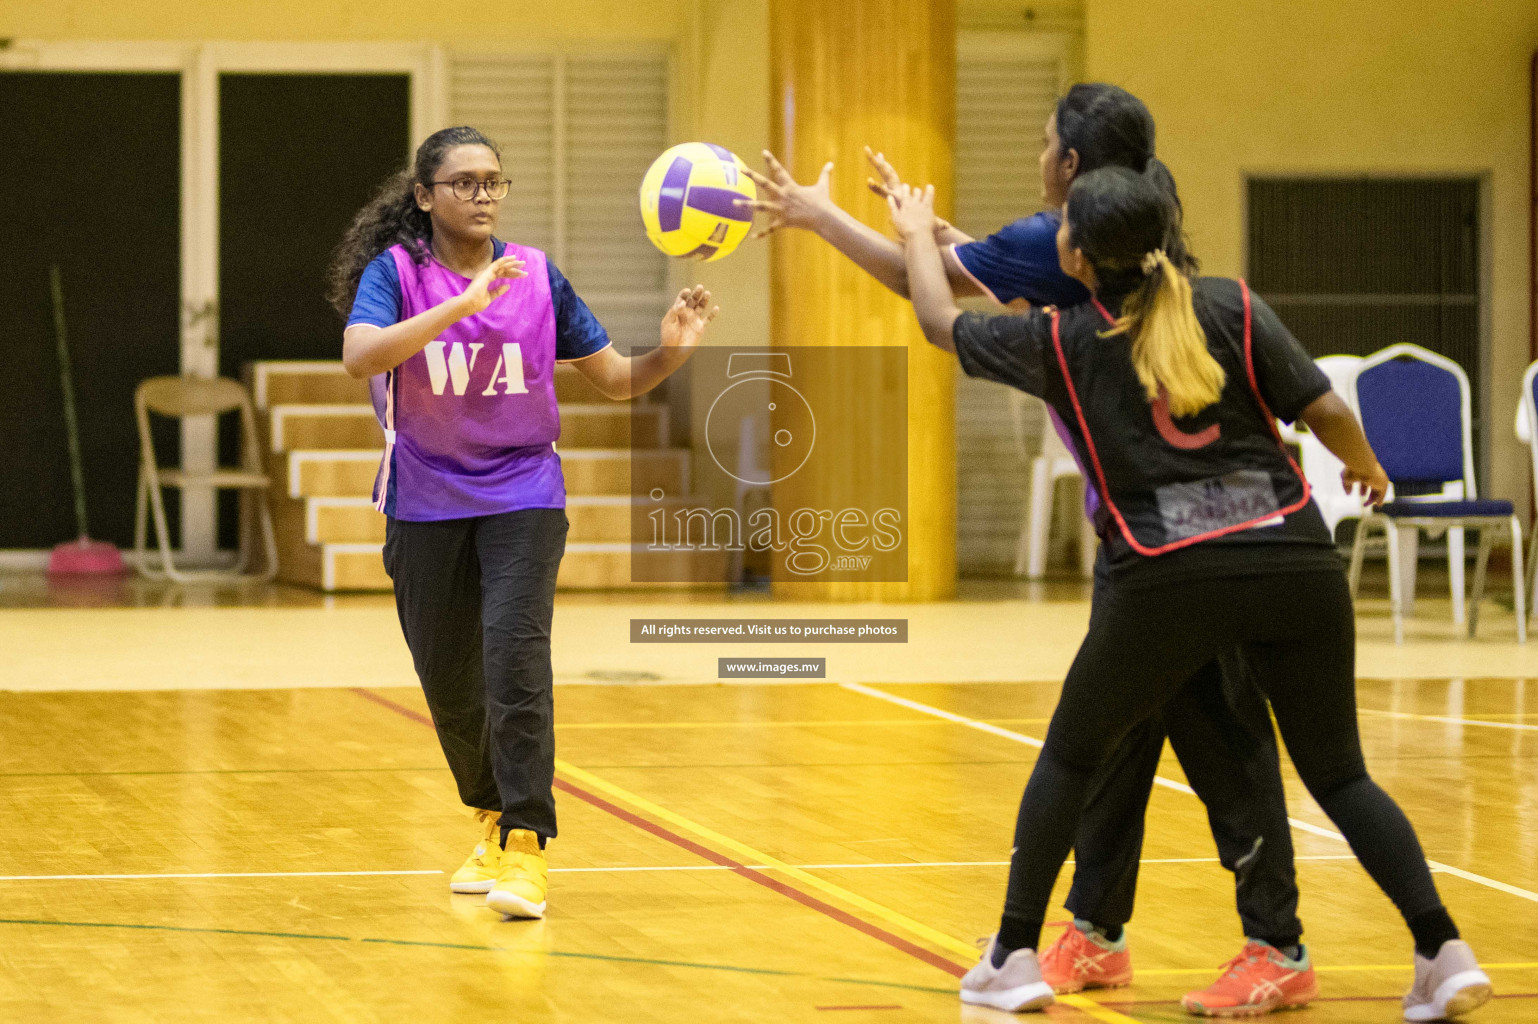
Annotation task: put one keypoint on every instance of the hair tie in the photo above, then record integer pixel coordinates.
(1151, 261)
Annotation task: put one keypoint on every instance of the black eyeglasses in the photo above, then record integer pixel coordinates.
(466, 188)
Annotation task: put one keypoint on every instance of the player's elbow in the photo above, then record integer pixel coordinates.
(354, 364)
(938, 331)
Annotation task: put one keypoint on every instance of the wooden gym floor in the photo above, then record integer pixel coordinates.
(229, 806)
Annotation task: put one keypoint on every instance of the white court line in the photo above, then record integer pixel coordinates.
(1302, 826)
(897, 864)
(617, 868)
(1519, 726)
(212, 874)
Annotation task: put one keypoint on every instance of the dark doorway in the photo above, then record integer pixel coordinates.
(1355, 265)
(93, 162)
(299, 155)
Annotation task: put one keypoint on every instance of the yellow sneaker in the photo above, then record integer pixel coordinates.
(522, 883)
(479, 871)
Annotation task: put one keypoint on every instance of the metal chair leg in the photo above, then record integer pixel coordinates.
(1358, 551)
(1481, 562)
(1518, 582)
(1042, 493)
(1532, 578)
(1395, 581)
(1455, 569)
(141, 523)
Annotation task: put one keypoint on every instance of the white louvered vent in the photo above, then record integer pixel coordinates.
(577, 133)
(512, 100)
(1004, 95)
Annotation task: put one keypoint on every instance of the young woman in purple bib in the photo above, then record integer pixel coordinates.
(1170, 388)
(459, 334)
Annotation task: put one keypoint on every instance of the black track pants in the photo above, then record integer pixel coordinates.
(475, 599)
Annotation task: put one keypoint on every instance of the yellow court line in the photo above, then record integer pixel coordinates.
(798, 724)
(750, 855)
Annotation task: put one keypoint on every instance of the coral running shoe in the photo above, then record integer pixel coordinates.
(1082, 959)
(1260, 979)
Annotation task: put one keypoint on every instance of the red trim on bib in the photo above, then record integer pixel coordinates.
(1094, 456)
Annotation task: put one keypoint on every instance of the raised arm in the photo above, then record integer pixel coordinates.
(1333, 424)
(367, 350)
(886, 184)
(793, 205)
(913, 215)
(621, 377)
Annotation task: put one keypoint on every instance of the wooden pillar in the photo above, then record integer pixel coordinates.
(846, 74)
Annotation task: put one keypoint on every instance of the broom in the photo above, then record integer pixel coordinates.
(82, 556)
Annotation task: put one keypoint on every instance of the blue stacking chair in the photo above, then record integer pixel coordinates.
(1416, 412)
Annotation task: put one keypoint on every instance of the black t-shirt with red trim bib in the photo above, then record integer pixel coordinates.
(1213, 494)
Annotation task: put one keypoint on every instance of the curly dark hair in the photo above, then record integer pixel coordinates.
(392, 216)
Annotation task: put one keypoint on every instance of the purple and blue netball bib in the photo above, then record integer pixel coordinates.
(470, 421)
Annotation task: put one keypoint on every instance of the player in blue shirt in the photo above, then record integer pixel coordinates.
(1219, 725)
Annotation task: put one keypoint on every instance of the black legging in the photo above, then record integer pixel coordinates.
(1299, 636)
(1219, 726)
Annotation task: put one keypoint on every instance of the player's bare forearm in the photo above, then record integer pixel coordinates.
(950, 234)
(1332, 422)
(933, 301)
(870, 250)
(882, 257)
(367, 350)
(656, 366)
(629, 376)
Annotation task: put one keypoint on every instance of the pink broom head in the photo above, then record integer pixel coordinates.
(85, 557)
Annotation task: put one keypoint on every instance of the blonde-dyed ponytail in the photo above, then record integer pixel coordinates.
(1169, 348)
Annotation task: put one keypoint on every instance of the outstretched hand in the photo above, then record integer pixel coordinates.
(788, 203)
(913, 210)
(481, 293)
(684, 324)
(1374, 485)
(888, 181)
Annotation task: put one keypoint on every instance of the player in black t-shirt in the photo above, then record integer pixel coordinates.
(1170, 388)
(1219, 726)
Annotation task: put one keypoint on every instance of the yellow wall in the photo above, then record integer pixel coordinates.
(1326, 86)
(1342, 87)
(248, 20)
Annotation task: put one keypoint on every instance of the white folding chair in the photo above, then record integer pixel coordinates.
(1527, 433)
(1416, 412)
(1320, 466)
(1051, 463)
(178, 397)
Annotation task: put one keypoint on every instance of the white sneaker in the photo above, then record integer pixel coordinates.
(1015, 987)
(1448, 986)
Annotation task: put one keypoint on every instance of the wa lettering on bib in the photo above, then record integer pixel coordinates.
(471, 419)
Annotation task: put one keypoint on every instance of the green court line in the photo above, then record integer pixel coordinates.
(648, 961)
(176, 928)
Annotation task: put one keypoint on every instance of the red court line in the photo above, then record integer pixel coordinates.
(647, 825)
(400, 709)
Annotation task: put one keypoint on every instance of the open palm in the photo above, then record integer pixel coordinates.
(788, 203)
(684, 323)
